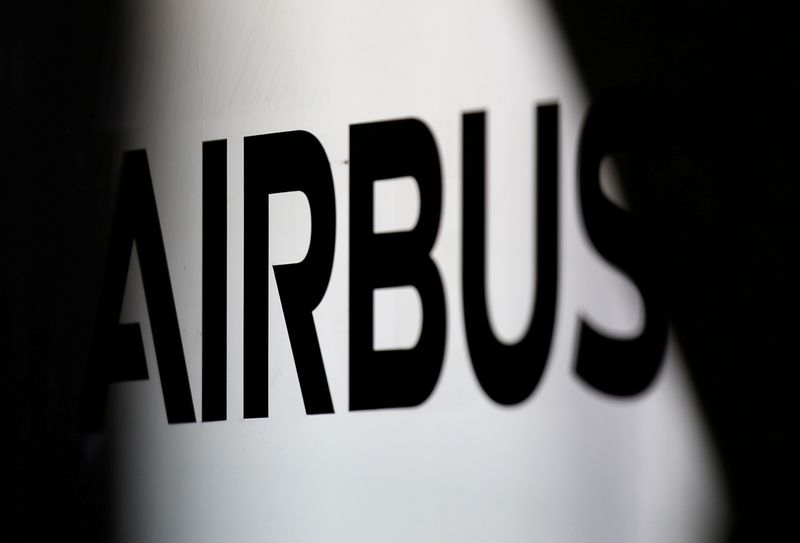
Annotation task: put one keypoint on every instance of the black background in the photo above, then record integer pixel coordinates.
(720, 193)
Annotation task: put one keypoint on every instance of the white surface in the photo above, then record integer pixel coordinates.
(568, 464)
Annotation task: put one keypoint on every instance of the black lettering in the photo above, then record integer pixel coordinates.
(622, 367)
(276, 163)
(215, 263)
(136, 218)
(394, 378)
(509, 373)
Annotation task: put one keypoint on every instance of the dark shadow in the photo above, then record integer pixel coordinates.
(720, 190)
(56, 71)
